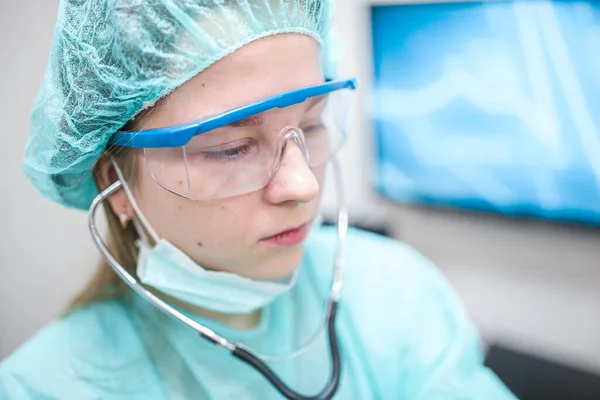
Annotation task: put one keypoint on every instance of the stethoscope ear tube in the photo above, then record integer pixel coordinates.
(133, 283)
(331, 387)
(237, 350)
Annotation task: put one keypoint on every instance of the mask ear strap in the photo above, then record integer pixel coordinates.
(140, 218)
(140, 231)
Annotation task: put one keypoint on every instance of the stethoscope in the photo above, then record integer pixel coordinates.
(253, 359)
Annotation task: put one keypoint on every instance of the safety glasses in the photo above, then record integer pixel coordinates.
(240, 150)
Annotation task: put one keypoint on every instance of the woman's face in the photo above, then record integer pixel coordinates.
(229, 233)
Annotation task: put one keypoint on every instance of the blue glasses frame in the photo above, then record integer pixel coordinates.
(180, 135)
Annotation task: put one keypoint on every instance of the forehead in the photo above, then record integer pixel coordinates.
(263, 68)
(312, 103)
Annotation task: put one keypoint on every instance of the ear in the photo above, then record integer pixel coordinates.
(106, 175)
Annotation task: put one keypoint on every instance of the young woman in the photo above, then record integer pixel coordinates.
(205, 127)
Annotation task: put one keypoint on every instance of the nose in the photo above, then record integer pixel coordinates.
(294, 180)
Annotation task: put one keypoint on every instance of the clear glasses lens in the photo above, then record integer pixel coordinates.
(242, 157)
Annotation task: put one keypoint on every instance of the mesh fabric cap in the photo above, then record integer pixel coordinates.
(112, 58)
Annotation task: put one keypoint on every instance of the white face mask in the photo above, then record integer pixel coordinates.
(174, 273)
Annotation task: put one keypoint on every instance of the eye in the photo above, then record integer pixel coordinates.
(315, 128)
(229, 154)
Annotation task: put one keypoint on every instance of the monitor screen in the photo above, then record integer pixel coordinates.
(491, 105)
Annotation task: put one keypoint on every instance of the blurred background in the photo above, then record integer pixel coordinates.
(476, 140)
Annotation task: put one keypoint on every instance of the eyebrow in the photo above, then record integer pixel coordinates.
(259, 119)
(254, 120)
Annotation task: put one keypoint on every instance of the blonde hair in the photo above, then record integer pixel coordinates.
(105, 284)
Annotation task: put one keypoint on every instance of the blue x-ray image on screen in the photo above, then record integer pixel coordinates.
(490, 105)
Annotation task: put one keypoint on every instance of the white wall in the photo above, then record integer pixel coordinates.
(45, 253)
(529, 283)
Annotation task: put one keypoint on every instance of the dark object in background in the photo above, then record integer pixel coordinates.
(531, 378)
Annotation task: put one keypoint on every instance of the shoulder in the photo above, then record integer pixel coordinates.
(371, 261)
(82, 352)
(388, 286)
(398, 308)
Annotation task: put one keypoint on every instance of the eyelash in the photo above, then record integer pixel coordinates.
(227, 155)
(236, 153)
(310, 128)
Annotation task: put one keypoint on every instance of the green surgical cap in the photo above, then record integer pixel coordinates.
(112, 58)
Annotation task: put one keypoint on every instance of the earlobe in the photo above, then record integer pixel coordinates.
(124, 219)
(105, 176)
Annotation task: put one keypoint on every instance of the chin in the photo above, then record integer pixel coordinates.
(281, 265)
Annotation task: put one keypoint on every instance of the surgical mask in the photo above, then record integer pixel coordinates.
(174, 273)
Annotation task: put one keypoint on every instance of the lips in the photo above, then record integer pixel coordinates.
(288, 238)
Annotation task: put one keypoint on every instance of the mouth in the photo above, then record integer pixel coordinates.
(288, 238)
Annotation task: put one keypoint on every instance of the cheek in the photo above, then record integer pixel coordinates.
(160, 207)
(193, 225)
